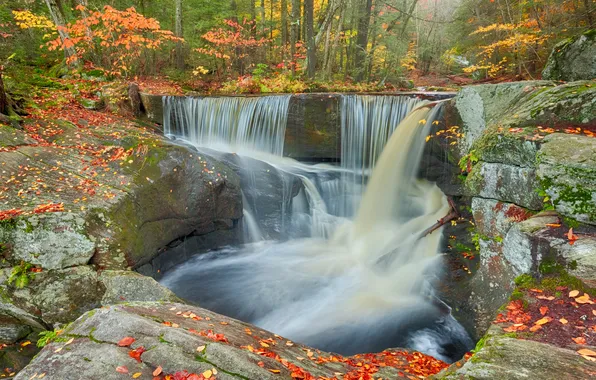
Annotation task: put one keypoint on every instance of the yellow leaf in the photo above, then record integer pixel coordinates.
(136, 375)
(207, 374)
(586, 352)
(563, 321)
(274, 371)
(543, 321)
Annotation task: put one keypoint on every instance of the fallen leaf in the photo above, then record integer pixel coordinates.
(200, 348)
(136, 353)
(207, 374)
(274, 371)
(579, 340)
(583, 299)
(535, 328)
(563, 321)
(69, 341)
(157, 371)
(543, 321)
(550, 298)
(136, 375)
(573, 293)
(122, 369)
(571, 237)
(586, 352)
(543, 310)
(126, 341)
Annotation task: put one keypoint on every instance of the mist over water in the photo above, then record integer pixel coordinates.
(349, 270)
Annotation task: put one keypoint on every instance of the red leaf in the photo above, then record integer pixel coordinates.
(126, 341)
(136, 353)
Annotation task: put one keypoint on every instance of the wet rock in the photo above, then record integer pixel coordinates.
(16, 323)
(573, 59)
(153, 107)
(567, 171)
(51, 241)
(127, 286)
(174, 338)
(92, 104)
(523, 246)
(504, 357)
(581, 259)
(506, 183)
(313, 130)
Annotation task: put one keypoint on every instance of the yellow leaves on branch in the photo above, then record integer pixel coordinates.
(28, 20)
(409, 61)
(513, 40)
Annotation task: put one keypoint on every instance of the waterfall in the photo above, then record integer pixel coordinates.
(350, 286)
(237, 123)
(367, 122)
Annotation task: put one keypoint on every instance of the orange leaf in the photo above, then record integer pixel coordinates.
(543, 321)
(543, 310)
(583, 299)
(157, 371)
(535, 328)
(579, 340)
(126, 341)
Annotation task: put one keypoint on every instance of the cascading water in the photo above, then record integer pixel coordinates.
(256, 123)
(337, 284)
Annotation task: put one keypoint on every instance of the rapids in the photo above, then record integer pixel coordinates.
(349, 271)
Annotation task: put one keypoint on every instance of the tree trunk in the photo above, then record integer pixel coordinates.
(179, 33)
(58, 18)
(284, 28)
(253, 18)
(263, 20)
(408, 16)
(362, 40)
(588, 6)
(294, 33)
(311, 53)
(332, 53)
(4, 106)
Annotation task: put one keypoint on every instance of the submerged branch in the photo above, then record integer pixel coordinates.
(453, 214)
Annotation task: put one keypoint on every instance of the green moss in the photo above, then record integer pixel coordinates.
(525, 281)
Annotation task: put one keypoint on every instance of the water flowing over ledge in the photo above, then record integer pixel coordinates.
(333, 272)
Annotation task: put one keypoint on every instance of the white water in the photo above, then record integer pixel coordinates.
(257, 123)
(328, 281)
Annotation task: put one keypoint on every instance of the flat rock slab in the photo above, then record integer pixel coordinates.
(179, 337)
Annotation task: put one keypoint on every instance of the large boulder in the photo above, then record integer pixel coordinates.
(573, 59)
(61, 296)
(504, 357)
(116, 201)
(177, 337)
(567, 171)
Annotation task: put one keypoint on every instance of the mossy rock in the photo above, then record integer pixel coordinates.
(567, 171)
(573, 59)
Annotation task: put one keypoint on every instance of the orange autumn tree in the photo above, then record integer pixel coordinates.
(231, 44)
(113, 40)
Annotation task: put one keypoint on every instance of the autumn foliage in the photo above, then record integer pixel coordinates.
(231, 43)
(113, 40)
